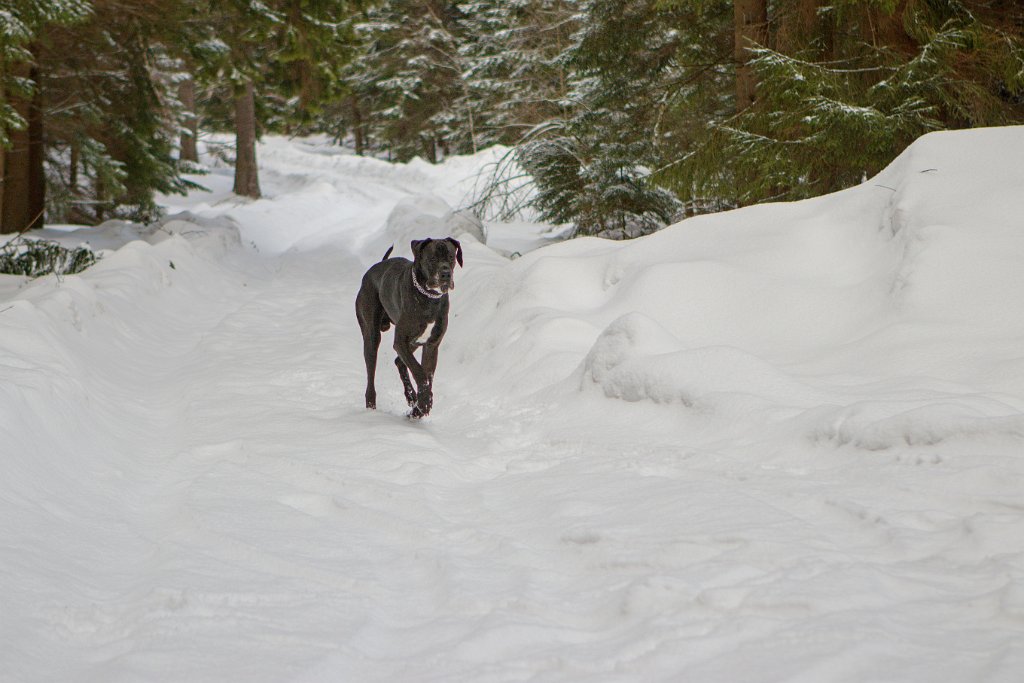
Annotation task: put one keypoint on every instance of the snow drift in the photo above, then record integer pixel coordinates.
(912, 280)
(782, 443)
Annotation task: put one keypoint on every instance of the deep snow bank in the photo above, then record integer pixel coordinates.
(907, 288)
(79, 420)
(66, 345)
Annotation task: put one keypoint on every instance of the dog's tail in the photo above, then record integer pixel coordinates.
(388, 252)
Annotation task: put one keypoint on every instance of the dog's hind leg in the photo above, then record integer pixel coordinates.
(403, 372)
(371, 341)
(370, 324)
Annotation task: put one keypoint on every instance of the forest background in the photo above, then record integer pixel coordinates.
(621, 115)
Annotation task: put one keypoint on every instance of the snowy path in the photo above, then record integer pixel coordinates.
(230, 512)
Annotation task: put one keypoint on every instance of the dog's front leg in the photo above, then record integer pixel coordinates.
(430, 358)
(425, 403)
(424, 397)
(403, 374)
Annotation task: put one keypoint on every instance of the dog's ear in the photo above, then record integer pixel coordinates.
(418, 245)
(458, 250)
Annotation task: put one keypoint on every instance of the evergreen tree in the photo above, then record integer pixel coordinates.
(408, 80)
(282, 61)
(846, 88)
(22, 178)
(20, 23)
(514, 76)
(618, 107)
(110, 89)
(315, 41)
(592, 168)
(236, 55)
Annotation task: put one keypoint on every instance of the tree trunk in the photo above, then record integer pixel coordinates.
(3, 150)
(751, 27)
(888, 27)
(100, 199)
(73, 169)
(246, 177)
(430, 149)
(3, 154)
(309, 88)
(76, 209)
(798, 25)
(24, 182)
(187, 94)
(36, 153)
(357, 126)
(302, 68)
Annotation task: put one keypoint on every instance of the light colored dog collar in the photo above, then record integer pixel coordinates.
(429, 293)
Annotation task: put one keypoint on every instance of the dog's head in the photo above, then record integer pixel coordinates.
(435, 262)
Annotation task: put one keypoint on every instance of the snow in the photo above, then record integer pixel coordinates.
(782, 443)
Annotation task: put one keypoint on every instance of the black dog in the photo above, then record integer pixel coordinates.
(414, 296)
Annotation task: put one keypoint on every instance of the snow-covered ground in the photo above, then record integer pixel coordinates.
(784, 443)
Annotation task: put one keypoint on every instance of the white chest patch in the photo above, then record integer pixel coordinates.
(426, 334)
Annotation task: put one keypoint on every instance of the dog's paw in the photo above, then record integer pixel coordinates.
(416, 414)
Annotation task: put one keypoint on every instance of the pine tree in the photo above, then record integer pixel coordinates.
(236, 53)
(105, 112)
(315, 42)
(592, 168)
(20, 23)
(846, 87)
(408, 79)
(111, 95)
(22, 177)
(514, 76)
(282, 61)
